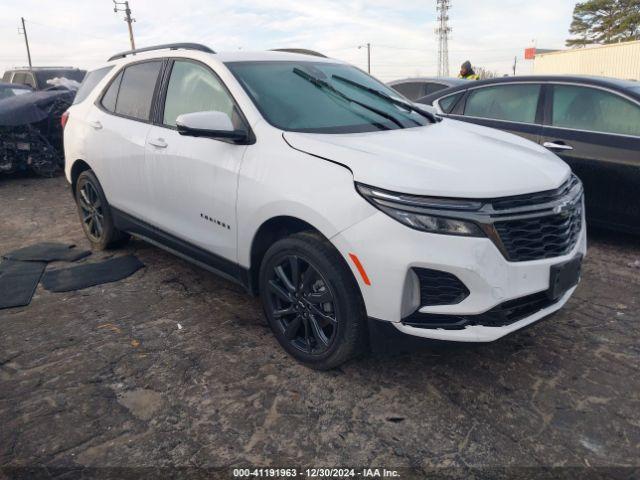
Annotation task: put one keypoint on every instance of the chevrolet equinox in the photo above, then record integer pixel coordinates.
(346, 207)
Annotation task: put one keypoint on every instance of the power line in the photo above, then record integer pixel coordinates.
(74, 30)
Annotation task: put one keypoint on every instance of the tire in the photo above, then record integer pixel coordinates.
(317, 314)
(95, 213)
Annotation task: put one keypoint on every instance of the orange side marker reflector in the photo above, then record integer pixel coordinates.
(363, 273)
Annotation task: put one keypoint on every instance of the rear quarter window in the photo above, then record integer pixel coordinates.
(111, 95)
(89, 83)
(448, 103)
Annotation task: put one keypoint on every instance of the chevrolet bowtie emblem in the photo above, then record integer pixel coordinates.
(562, 209)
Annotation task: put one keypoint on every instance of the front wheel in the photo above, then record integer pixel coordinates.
(312, 301)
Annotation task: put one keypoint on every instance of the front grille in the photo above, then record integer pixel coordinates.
(504, 314)
(541, 237)
(536, 198)
(440, 288)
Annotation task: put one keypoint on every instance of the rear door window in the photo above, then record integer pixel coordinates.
(89, 83)
(595, 110)
(512, 103)
(136, 90)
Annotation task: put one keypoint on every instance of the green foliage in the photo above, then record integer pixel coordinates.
(605, 21)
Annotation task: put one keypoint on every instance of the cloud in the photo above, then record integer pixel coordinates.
(489, 33)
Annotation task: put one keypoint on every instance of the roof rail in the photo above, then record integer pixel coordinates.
(170, 46)
(27, 67)
(301, 51)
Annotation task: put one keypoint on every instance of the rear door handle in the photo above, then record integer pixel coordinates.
(557, 146)
(95, 125)
(159, 143)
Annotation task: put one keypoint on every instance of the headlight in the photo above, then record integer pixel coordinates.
(428, 214)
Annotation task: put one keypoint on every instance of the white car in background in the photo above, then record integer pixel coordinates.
(350, 211)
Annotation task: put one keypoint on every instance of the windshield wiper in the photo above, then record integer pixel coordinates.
(327, 86)
(388, 98)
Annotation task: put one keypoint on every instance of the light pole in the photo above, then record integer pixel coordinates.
(368, 47)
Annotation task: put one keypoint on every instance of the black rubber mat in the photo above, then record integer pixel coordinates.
(48, 252)
(18, 281)
(90, 274)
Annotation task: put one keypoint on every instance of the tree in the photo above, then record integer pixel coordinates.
(604, 21)
(484, 73)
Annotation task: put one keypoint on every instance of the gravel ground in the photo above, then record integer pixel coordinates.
(174, 367)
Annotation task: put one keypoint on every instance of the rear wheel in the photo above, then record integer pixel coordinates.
(312, 302)
(95, 214)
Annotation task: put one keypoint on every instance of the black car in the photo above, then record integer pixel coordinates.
(37, 77)
(592, 123)
(414, 88)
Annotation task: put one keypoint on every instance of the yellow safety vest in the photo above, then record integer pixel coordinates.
(470, 77)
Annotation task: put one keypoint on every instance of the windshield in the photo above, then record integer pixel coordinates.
(322, 97)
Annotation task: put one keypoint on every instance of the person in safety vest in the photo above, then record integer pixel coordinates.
(467, 73)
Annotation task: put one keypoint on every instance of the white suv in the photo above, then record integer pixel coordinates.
(356, 216)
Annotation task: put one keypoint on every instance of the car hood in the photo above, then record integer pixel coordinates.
(449, 159)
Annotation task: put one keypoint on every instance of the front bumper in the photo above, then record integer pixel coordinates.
(388, 251)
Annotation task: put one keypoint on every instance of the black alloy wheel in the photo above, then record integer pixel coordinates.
(95, 213)
(312, 301)
(92, 213)
(303, 305)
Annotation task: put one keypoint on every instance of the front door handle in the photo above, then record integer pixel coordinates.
(159, 143)
(557, 146)
(95, 125)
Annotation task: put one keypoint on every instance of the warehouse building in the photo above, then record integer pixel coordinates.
(619, 60)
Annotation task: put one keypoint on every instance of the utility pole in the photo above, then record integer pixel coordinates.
(124, 7)
(515, 62)
(443, 30)
(26, 41)
(368, 45)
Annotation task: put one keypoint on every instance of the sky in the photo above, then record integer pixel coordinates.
(489, 33)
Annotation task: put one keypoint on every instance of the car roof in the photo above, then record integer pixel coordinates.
(629, 87)
(443, 80)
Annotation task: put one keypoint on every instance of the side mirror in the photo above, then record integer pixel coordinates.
(211, 124)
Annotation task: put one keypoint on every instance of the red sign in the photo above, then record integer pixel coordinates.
(530, 53)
